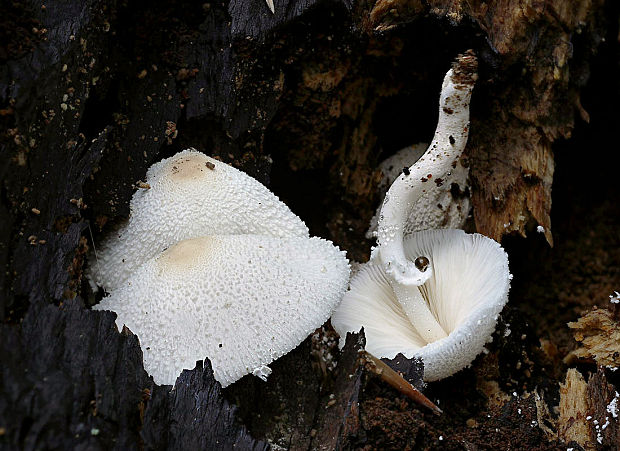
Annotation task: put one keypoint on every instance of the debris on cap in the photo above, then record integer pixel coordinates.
(190, 195)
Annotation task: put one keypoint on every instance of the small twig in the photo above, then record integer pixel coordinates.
(390, 376)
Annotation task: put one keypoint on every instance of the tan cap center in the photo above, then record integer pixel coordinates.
(185, 255)
(190, 167)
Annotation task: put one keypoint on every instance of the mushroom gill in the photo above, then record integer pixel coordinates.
(465, 294)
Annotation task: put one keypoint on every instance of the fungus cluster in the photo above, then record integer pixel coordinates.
(434, 294)
(211, 264)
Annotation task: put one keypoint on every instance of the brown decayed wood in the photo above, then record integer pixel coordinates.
(572, 423)
(515, 125)
(584, 413)
(598, 333)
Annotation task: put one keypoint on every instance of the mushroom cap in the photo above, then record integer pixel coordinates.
(439, 207)
(190, 195)
(466, 293)
(241, 300)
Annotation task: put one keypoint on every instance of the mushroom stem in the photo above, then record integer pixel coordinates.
(418, 312)
(271, 6)
(394, 379)
(447, 146)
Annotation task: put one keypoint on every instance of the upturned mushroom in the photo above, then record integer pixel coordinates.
(240, 300)
(445, 149)
(465, 294)
(187, 196)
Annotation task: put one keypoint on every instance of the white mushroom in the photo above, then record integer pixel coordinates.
(190, 195)
(271, 6)
(240, 300)
(466, 292)
(443, 206)
(447, 145)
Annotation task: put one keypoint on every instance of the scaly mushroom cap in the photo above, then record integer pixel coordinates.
(241, 300)
(443, 206)
(190, 195)
(467, 291)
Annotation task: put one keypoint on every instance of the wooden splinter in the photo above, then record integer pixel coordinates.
(387, 374)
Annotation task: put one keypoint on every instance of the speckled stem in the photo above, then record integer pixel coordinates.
(443, 153)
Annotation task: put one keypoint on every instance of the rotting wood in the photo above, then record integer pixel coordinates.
(598, 332)
(512, 132)
(572, 423)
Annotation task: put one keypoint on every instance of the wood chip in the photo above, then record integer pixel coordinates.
(598, 331)
(572, 423)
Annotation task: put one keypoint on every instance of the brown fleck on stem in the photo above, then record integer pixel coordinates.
(387, 374)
